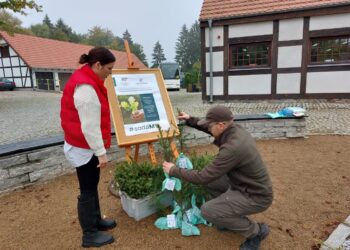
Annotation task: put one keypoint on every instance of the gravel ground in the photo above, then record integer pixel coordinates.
(27, 114)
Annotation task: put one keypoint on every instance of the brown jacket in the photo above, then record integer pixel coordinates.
(239, 159)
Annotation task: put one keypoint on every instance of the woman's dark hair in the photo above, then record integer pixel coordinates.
(97, 54)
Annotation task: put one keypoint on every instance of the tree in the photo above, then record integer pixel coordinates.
(137, 49)
(41, 30)
(69, 35)
(194, 44)
(48, 22)
(59, 34)
(19, 5)
(181, 48)
(8, 21)
(16, 6)
(158, 55)
(188, 47)
(127, 36)
(98, 36)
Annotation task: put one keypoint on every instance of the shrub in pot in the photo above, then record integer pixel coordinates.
(139, 188)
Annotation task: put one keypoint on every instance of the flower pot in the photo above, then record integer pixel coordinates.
(141, 208)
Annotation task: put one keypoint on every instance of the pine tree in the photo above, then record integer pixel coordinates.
(127, 36)
(158, 55)
(188, 47)
(48, 22)
(137, 50)
(181, 47)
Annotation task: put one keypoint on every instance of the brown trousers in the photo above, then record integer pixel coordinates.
(229, 209)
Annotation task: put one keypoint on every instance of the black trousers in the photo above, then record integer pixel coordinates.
(89, 177)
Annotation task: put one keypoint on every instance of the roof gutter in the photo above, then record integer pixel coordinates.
(319, 7)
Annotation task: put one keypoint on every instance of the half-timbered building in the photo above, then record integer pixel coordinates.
(265, 49)
(34, 62)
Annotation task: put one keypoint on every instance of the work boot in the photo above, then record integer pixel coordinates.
(102, 224)
(254, 243)
(88, 222)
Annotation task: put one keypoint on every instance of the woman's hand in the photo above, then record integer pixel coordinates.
(103, 160)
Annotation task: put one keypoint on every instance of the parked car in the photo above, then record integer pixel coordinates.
(7, 84)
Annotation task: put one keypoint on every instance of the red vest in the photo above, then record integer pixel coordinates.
(70, 121)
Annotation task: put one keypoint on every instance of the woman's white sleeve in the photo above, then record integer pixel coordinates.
(89, 110)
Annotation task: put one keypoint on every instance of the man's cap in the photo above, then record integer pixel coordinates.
(217, 113)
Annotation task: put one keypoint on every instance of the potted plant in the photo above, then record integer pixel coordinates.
(139, 188)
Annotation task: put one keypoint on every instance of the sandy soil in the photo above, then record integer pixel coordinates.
(311, 180)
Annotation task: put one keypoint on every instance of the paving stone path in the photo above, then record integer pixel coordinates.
(27, 114)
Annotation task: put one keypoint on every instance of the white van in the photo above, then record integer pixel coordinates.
(171, 75)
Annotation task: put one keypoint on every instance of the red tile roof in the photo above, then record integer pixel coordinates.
(39, 52)
(219, 9)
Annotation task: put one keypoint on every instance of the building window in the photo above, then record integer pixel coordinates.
(330, 50)
(250, 55)
(5, 51)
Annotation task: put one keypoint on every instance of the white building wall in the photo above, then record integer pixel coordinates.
(14, 61)
(250, 29)
(56, 81)
(291, 29)
(330, 21)
(24, 71)
(27, 81)
(289, 57)
(18, 82)
(6, 62)
(218, 85)
(218, 36)
(12, 52)
(22, 62)
(218, 61)
(8, 72)
(16, 72)
(288, 83)
(249, 84)
(35, 85)
(328, 82)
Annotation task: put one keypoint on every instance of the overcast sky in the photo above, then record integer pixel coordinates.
(147, 21)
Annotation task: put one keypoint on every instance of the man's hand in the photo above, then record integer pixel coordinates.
(103, 160)
(183, 116)
(167, 166)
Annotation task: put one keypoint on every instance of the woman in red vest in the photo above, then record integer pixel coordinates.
(85, 119)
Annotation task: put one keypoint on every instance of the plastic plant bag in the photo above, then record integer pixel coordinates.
(188, 229)
(183, 162)
(171, 183)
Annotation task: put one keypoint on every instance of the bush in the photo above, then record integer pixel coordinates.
(193, 76)
(139, 180)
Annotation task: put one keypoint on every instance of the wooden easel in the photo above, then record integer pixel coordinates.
(151, 151)
(128, 153)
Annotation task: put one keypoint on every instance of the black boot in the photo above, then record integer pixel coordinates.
(102, 224)
(254, 243)
(88, 221)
